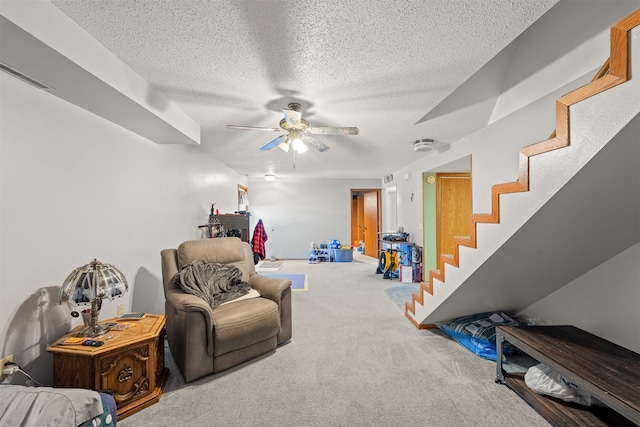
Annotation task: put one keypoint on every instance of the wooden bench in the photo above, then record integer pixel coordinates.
(605, 370)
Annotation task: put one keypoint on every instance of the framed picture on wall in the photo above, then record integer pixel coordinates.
(243, 199)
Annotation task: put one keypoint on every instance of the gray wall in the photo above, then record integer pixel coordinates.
(603, 301)
(76, 187)
(296, 212)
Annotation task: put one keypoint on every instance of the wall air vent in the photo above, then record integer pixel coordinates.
(423, 145)
(17, 74)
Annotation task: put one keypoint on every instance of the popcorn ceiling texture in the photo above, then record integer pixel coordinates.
(378, 65)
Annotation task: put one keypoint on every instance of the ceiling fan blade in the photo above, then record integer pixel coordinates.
(292, 117)
(315, 143)
(333, 130)
(254, 128)
(275, 142)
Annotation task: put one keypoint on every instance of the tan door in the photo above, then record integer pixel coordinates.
(371, 221)
(357, 219)
(365, 219)
(453, 211)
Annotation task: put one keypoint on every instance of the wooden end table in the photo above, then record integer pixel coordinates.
(130, 363)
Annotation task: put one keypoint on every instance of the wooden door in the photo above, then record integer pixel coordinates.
(357, 218)
(453, 209)
(371, 221)
(365, 219)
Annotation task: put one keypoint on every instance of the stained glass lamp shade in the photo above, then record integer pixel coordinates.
(88, 286)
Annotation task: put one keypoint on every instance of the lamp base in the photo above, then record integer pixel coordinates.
(94, 332)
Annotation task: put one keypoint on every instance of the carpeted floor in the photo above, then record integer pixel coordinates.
(354, 360)
(401, 294)
(299, 282)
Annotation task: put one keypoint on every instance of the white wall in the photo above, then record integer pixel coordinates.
(608, 311)
(296, 212)
(536, 75)
(390, 212)
(491, 154)
(494, 152)
(76, 187)
(408, 183)
(603, 301)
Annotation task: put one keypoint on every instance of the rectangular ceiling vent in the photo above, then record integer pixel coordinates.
(17, 74)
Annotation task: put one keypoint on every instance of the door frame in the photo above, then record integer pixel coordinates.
(429, 208)
(353, 215)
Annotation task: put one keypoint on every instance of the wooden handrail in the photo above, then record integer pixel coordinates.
(614, 72)
(603, 71)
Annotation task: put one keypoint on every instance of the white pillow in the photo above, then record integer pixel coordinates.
(544, 380)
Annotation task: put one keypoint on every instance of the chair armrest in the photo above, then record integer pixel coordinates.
(279, 291)
(191, 303)
(270, 287)
(187, 302)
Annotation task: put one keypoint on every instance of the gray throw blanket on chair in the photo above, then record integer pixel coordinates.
(214, 283)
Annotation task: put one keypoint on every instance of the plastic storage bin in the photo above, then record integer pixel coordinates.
(342, 255)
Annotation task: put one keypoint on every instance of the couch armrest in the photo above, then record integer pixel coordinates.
(272, 288)
(191, 303)
(47, 406)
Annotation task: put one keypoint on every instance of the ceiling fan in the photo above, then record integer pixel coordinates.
(299, 133)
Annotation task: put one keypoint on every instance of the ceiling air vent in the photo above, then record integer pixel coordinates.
(15, 73)
(423, 145)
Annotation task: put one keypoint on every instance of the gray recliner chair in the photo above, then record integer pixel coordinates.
(205, 340)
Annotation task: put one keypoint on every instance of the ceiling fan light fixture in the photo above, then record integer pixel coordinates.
(299, 134)
(298, 145)
(423, 145)
(269, 177)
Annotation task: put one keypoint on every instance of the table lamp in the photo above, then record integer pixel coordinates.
(88, 286)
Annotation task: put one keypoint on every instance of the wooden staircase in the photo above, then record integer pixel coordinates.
(619, 64)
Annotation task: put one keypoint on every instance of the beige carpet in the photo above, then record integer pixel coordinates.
(354, 360)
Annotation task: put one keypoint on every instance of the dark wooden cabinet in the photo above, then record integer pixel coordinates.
(130, 364)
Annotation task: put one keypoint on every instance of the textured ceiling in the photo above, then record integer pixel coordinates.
(379, 65)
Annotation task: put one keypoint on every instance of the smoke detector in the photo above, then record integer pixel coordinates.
(423, 145)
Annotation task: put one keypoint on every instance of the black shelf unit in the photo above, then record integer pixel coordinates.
(233, 222)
